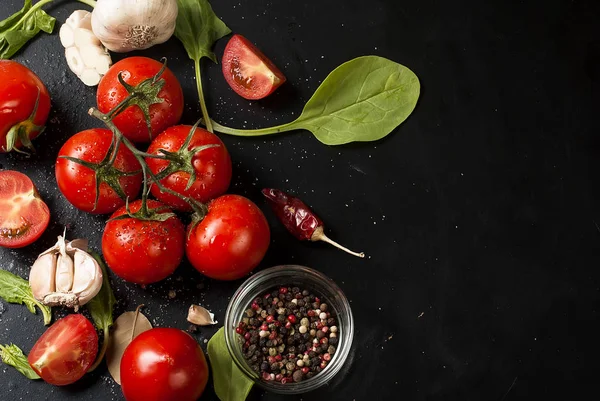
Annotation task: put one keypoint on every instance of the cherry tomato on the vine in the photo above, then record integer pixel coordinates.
(231, 240)
(248, 71)
(143, 251)
(65, 351)
(163, 364)
(20, 88)
(212, 166)
(78, 182)
(23, 214)
(131, 122)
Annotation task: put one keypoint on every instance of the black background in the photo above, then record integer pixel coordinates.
(478, 214)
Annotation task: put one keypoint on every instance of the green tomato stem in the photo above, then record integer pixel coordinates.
(252, 132)
(201, 96)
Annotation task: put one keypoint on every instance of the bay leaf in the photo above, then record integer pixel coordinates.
(127, 327)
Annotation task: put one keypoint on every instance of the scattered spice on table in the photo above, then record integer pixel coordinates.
(288, 335)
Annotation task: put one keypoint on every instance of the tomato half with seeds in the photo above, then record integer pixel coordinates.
(248, 71)
(65, 352)
(131, 122)
(77, 182)
(143, 251)
(23, 214)
(20, 120)
(230, 241)
(163, 364)
(211, 166)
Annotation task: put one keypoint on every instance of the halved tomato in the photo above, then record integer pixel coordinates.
(23, 214)
(65, 351)
(248, 71)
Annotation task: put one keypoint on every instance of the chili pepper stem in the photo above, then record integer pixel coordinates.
(319, 235)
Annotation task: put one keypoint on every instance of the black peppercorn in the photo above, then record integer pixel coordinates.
(333, 341)
(282, 330)
(264, 366)
(297, 376)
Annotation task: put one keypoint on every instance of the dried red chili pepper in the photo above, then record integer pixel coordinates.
(302, 222)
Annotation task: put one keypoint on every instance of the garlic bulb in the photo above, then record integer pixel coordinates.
(126, 25)
(65, 275)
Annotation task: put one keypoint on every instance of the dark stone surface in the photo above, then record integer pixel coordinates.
(478, 214)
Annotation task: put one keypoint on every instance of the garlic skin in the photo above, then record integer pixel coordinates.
(65, 275)
(126, 25)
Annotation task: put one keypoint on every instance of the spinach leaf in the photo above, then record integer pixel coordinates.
(362, 100)
(198, 28)
(16, 290)
(13, 356)
(19, 28)
(229, 381)
(101, 308)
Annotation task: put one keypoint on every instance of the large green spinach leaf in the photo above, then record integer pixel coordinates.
(16, 290)
(362, 100)
(19, 28)
(198, 28)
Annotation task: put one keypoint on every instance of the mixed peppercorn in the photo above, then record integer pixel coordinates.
(288, 335)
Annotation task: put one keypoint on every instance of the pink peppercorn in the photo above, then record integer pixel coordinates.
(270, 319)
(292, 319)
(284, 380)
(283, 290)
(239, 330)
(325, 329)
(288, 325)
(247, 336)
(273, 335)
(264, 327)
(327, 356)
(278, 377)
(278, 358)
(266, 376)
(305, 370)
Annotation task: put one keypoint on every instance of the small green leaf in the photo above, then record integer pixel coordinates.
(15, 290)
(13, 356)
(230, 383)
(198, 28)
(102, 305)
(19, 28)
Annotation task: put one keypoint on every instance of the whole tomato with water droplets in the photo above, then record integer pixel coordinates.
(20, 88)
(230, 241)
(163, 364)
(131, 122)
(211, 166)
(23, 214)
(65, 352)
(143, 251)
(78, 182)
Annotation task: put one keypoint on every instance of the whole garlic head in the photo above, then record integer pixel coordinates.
(126, 25)
(65, 275)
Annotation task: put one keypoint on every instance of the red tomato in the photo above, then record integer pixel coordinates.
(65, 351)
(78, 183)
(212, 166)
(230, 241)
(248, 71)
(23, 214)
(19, 89)
(163, 364)
(143, 251)
(131, 122)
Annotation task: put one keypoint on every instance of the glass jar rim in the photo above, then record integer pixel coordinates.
(254, 286)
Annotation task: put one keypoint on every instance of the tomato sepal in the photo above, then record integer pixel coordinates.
(143, 95)
(23, 131)
(144, 213)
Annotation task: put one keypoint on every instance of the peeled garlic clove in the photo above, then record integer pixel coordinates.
(74, 60)
(66, 36)
(88, 277)
(90, 77)
(85, 37)
(42, 276)
(74, 20)
(200, 316)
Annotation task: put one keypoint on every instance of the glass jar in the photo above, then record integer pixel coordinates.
(306, 279)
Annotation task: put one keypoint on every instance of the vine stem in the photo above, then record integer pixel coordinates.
(91, 3)
(42, 3)
(102, 351)
(207, 119)
(200, 208)
(251, 132)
